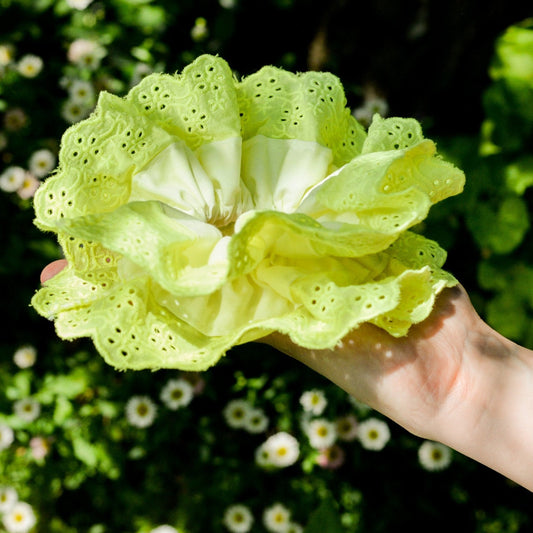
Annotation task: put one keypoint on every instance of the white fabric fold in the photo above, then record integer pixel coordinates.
(205, 184)
(279, 172)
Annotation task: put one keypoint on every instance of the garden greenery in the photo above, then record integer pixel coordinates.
(257, 442)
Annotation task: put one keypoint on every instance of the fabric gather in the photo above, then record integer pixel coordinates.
(200, 212)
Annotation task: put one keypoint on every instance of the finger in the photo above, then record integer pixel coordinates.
(49, 271)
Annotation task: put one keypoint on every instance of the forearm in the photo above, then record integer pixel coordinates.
(493, 422)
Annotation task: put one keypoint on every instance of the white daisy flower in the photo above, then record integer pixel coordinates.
(140, 411)
(79, 4)
(280, 450)
(164, 529)
(29, 186)
(294, 527)
(8, 498)
(177, 393)
(373, 434)
(86, 53)
(12, 178)
(277, 518)
(256, 421)
(30, 66)
(42, 162)
(7, 436)
(199, 31)
(373, 104)
(140, 71)
(20, 518)
(263, 457)
(227, 4)
(92, 59)
(81, 91)
(15, 119)
(321, 433)
(27, 409)
(313, 401)
(346, 427)
(236, 413)
(434, 455)
(331, 458)
(25, 356)
(238, 518)
(73, 112)
(7, 52)
(79, 48)
(39, 448)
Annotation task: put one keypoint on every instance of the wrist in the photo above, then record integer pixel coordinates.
(490, 417)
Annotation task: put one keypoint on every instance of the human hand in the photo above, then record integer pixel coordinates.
(414, 380)
(383, 371)
(452, 379)
(50, 270)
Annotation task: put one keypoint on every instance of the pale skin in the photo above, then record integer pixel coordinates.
(452, 379)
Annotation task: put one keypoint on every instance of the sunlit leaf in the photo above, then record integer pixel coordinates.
(499, 230)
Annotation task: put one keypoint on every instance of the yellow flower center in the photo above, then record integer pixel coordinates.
(436, 455)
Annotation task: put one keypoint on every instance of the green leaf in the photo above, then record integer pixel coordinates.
(85, 451)
(42, 5)
(20, 386)
(67, 385)
(147, 18)
(506, 314)
(107, 409)
(514, 57)
(131, 3)
(519, 175)
(325, 519)
(501, 230)
(523, 282)
(508, 105)
(62, 411)
(492, 276)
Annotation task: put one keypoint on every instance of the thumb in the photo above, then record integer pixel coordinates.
(49, 271)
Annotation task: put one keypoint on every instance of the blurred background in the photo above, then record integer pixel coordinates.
(84, 448)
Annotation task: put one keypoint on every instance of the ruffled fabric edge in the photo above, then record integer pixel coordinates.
(133, 264)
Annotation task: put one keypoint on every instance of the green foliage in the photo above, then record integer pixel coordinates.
(508, 102)
(325, 518)
(81, 463)
(502, 228)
